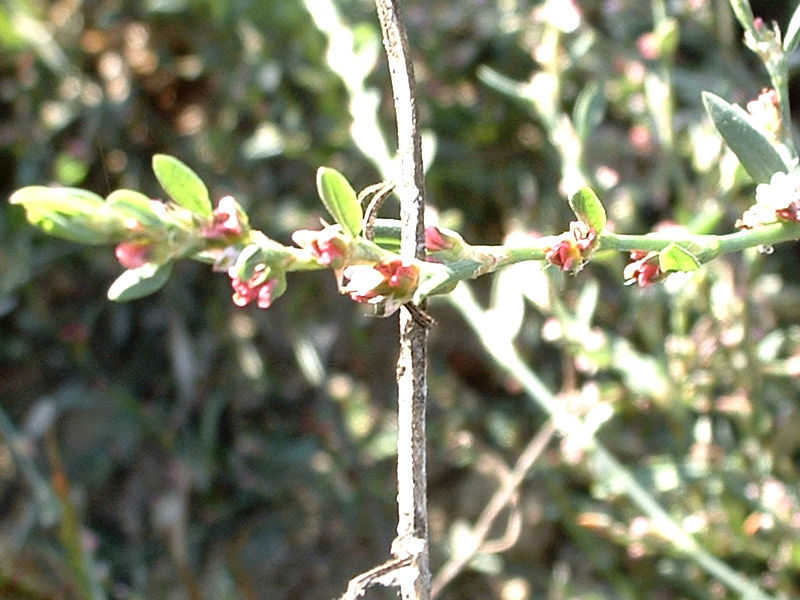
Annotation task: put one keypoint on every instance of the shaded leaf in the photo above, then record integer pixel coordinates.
(677, 258)
(339, 199)
(139, 282)
(588, 208)
(792, 36)
(748, 141)
(182, 184)
(590, 107)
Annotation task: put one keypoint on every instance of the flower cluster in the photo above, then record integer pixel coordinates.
(263, 288)
(775, 201)
(643, 269)
(392, 282)
(572, 247)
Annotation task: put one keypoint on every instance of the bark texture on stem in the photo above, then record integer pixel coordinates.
(412, 526)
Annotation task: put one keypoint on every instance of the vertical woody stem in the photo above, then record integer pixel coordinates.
(412, 523)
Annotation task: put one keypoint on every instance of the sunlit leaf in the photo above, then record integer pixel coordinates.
(588, 208)
(339, 199)
(748, 141)
(182, 184)
(677, 258)
(68, 213)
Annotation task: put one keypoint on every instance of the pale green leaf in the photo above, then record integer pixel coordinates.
(68, 213)
(182, 184)
(139, 282)
(588, 208)
(677, 258)
(339, 199)
(749, 142)
(792, 36)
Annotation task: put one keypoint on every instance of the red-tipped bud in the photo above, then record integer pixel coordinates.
(132, 255)
(327, 246)
(227, 220)
(435, 241)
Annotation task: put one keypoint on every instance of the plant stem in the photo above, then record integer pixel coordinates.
(412, 526)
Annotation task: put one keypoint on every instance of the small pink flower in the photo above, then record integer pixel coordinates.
(258, 288)
(132, 255)
(765, 110)
(572, 247)
(644, 269)
(226, 220)
(374, 283)
(435, 241)
(328, 246)
(565, 255)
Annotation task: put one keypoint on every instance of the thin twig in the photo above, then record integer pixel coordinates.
(505, 496)
(412, 525)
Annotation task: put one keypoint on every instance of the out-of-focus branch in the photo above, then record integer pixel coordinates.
(505, 496)
(600, 462)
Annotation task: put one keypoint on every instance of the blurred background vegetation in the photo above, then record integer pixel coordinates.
(179, 447)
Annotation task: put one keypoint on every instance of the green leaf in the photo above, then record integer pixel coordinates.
(340, 199)
(130, 204)
(182, 184)
(792, 37)
(68, 213)
(748, 141)
(677, 258)
(139, 282)
(590, 107)
(588, 208)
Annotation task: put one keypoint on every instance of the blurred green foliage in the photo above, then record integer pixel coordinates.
(178, 447)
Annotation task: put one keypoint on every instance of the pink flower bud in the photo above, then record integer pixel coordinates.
(226, 220)
(328, 246)
(649, 45)
(132, 255)
(435, 241)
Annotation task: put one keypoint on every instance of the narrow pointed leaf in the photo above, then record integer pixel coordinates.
(677, 258)
(139, 282)
(339, 199)
(792, 37)
(588, 208)
(182, 184)
(68, 213)
(748, 141)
